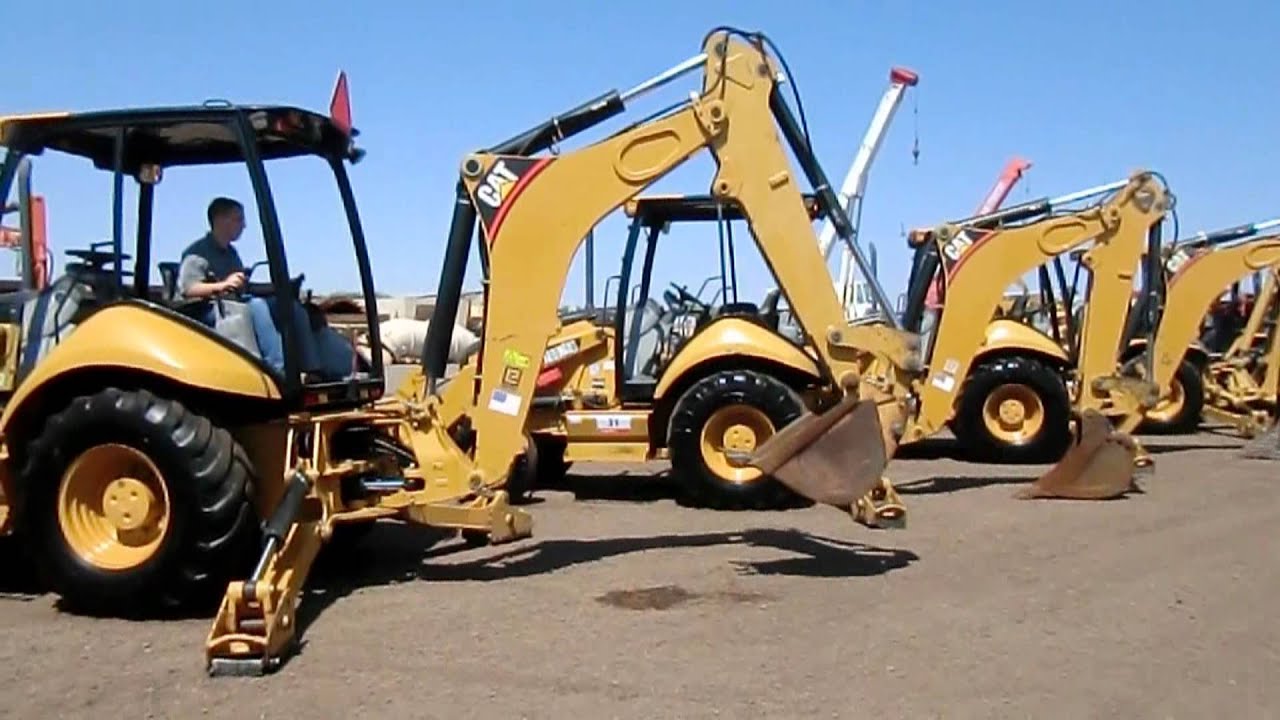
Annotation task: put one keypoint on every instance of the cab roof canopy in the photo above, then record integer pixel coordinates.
(195, 135)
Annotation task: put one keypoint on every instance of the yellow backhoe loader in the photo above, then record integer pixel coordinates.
(140, 445)
(140, 442)
(1196, 273)
(604, 399)
(1006, 388)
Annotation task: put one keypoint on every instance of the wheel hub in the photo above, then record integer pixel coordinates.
(1012, 413)
(128, 503)
(113, 507)
(739, 438)
(729, 436)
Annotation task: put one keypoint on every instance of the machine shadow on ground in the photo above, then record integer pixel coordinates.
(394, 553)
(644, 486)
(942, 484)
(18, 577)
(629, 487)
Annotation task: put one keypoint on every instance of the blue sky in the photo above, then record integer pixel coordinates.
(1086, 91)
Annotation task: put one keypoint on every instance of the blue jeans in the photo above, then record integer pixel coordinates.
(325, 352)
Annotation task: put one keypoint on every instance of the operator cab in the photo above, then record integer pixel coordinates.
(650, 333)
(142, 145)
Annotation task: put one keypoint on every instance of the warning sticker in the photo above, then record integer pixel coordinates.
(507, 403)
(515, 359)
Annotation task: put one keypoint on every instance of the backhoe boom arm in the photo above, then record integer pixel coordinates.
(435, 348)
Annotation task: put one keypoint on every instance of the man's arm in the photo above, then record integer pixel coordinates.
(191, 279)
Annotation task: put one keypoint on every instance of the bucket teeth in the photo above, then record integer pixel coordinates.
(1100, 465)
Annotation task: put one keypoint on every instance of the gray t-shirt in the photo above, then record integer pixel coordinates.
(205, 261)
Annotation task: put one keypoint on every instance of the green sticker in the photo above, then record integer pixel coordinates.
(515, 359)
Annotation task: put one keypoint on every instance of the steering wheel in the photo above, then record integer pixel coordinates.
(684, 296)
(265, 288)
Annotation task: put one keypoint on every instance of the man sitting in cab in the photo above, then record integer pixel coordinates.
(211, 268)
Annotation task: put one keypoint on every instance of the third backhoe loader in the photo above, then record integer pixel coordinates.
(1196, 273)
(1241, 385)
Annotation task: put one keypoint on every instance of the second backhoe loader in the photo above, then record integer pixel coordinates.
(639, 381)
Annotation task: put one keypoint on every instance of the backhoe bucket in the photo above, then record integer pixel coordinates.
(834, 458)
(1100, 465)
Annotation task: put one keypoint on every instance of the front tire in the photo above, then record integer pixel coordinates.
(131, 503)
(1014, 410)
(1181, 413)
(734, 411)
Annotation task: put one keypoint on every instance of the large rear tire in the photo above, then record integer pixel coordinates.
(132, 504)
(734, 410)
(1014, 410)
(1180, 413)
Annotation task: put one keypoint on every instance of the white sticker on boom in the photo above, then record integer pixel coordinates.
(613, 423)
(559, 352)
(951, 366)
(944, 382)
(507, 403)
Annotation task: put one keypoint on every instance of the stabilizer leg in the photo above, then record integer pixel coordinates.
(255, 629)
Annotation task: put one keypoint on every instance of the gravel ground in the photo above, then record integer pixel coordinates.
(627, 605)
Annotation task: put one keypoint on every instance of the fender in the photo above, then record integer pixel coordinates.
(1003, 335)
(152, 345)
(730, 336)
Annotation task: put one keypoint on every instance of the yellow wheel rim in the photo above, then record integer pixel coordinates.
(734, 430)
(1013, 414)
(1168, 408)
(113, 507)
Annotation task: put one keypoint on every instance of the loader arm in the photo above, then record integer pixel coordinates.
(535, 211)
(979, 264)
(1192, 290)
